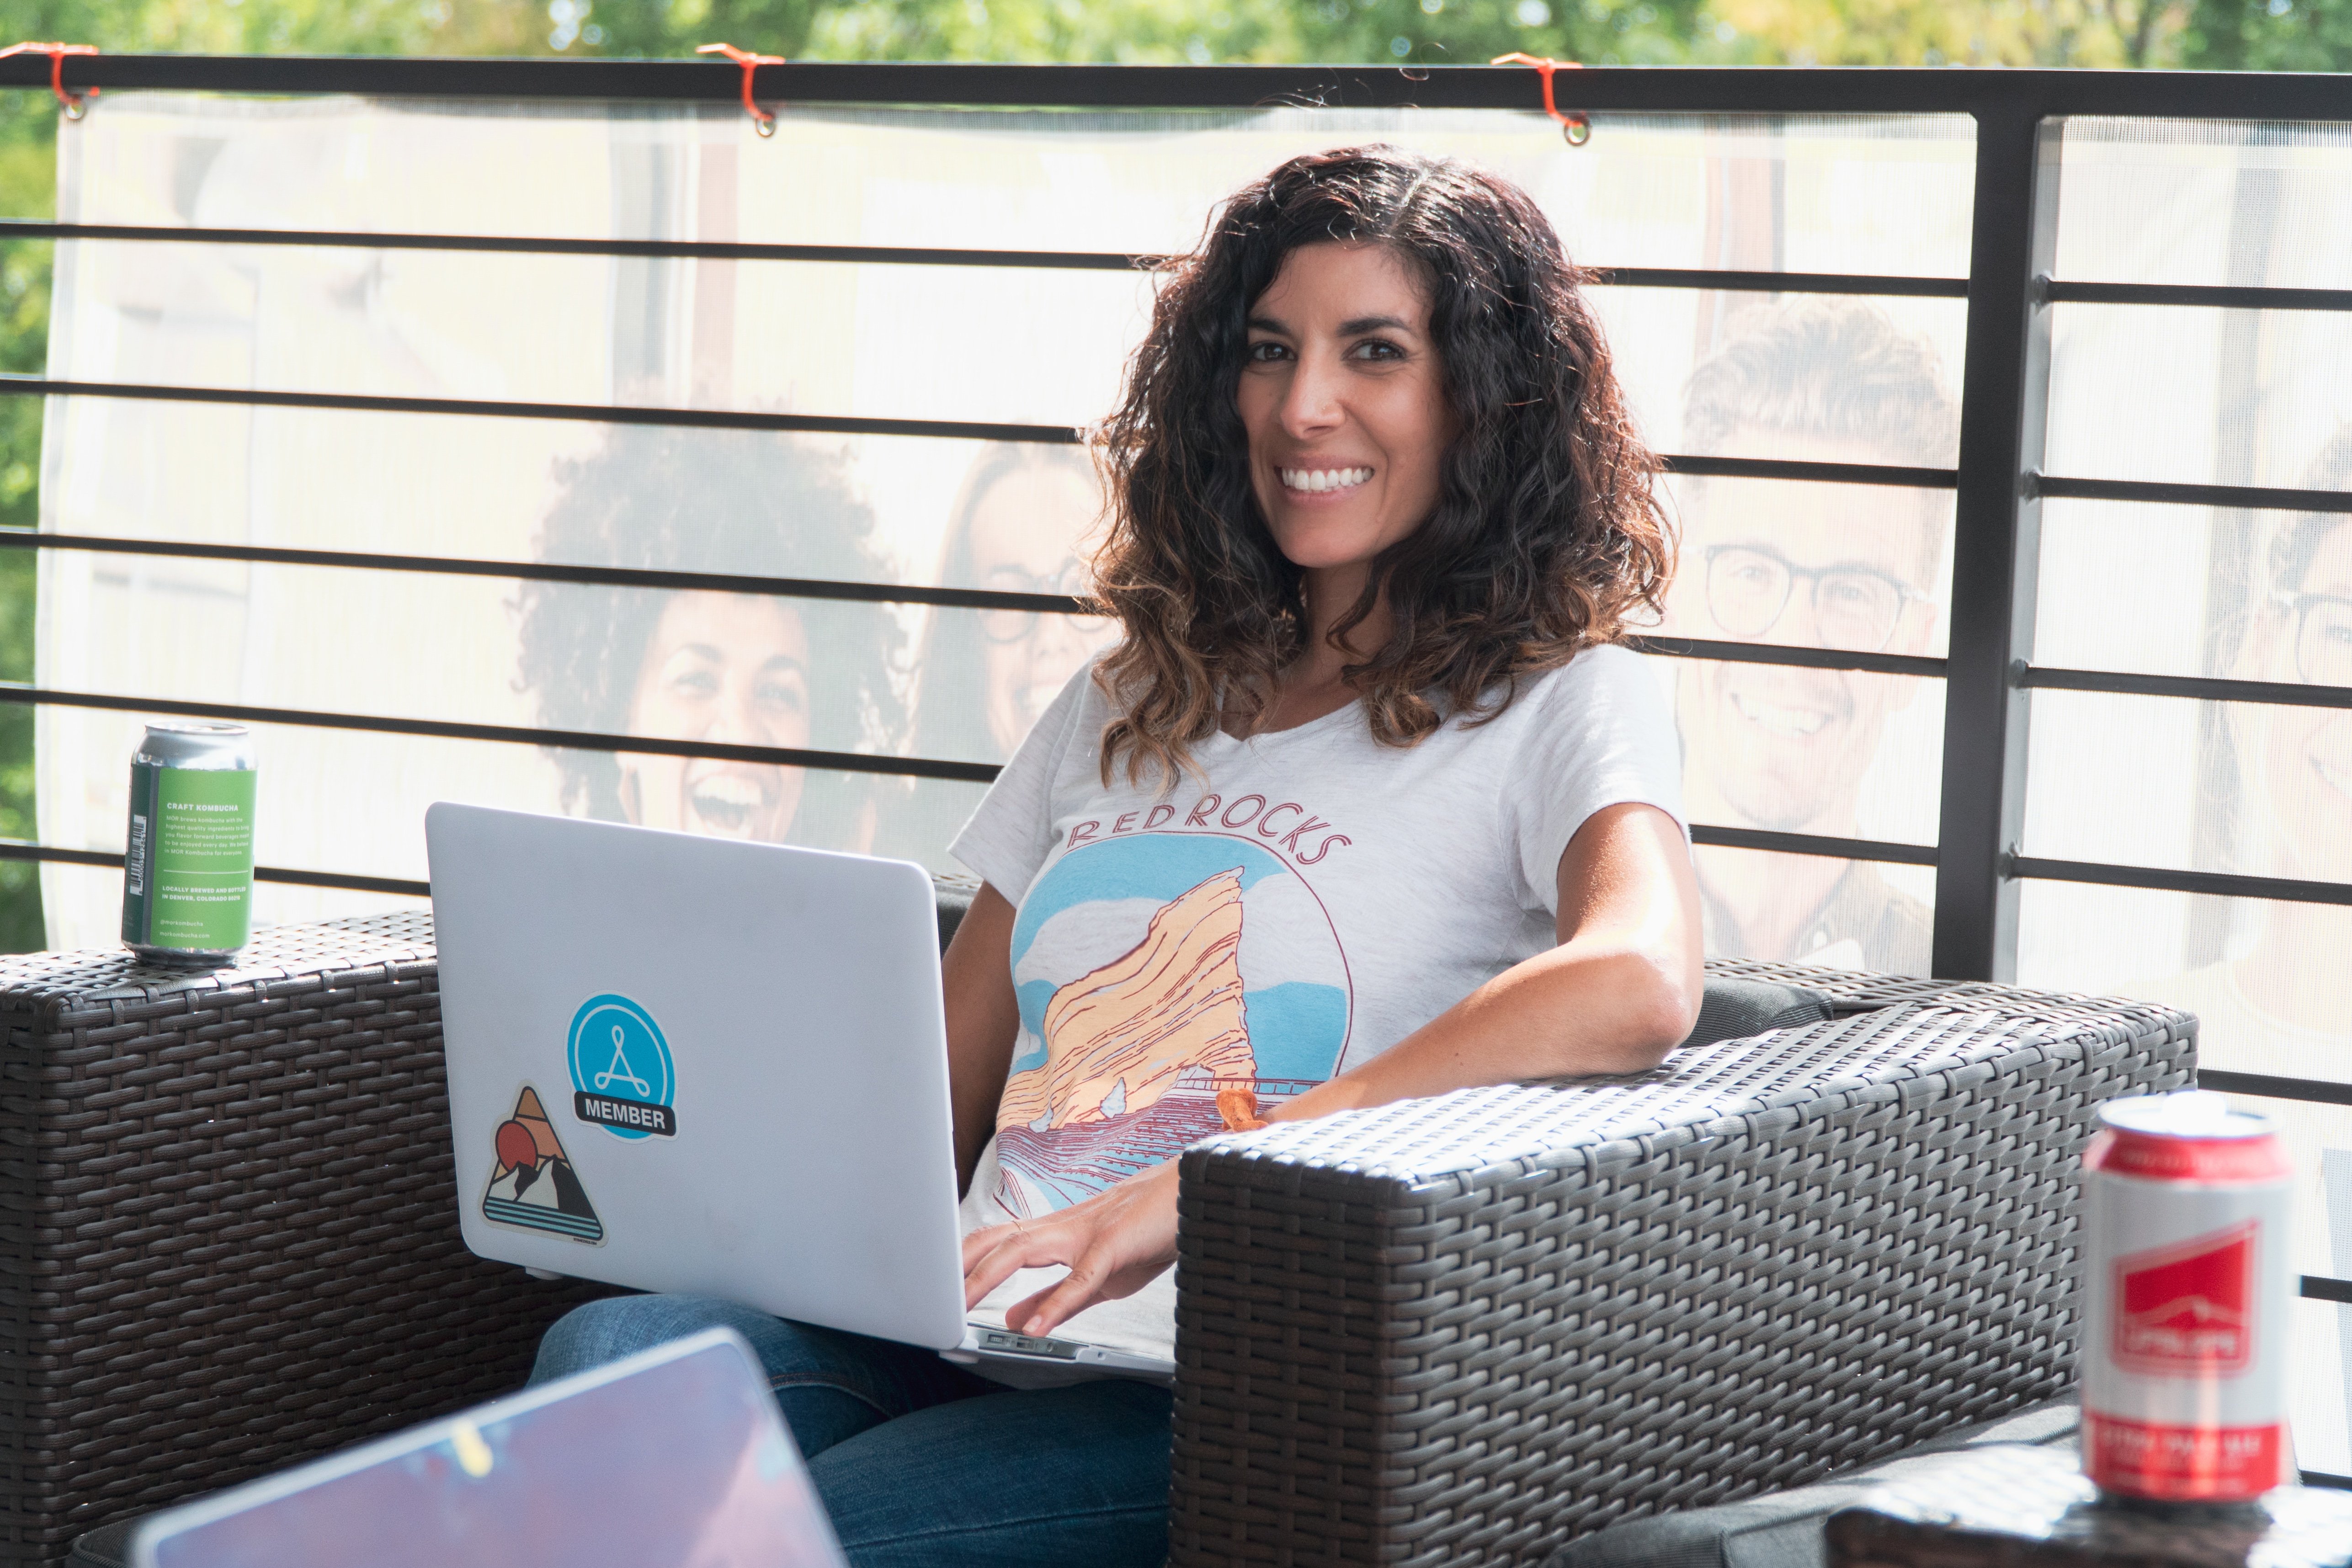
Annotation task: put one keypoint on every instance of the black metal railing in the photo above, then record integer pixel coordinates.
(1988, 672)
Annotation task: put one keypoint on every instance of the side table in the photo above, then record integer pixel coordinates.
(2032, 1507)
(228, 1232)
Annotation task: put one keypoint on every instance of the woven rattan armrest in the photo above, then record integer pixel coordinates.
(228, 1230)
(1464, 1330)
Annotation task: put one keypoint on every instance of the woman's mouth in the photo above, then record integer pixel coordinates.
(1321, 481)
(727, 803)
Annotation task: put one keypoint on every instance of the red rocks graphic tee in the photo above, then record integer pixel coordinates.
(1305, 902)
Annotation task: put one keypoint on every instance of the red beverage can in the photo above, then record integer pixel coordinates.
(2186, 1293)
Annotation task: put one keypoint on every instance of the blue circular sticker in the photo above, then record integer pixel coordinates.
(622, 1076)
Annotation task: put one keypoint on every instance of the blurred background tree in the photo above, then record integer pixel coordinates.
(2223, 35)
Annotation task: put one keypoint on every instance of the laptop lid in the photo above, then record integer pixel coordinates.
(675, 1456)
(699, 1065)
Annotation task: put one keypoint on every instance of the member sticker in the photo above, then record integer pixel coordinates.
(622, 1076)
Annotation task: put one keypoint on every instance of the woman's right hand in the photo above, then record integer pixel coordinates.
(1114, 1243)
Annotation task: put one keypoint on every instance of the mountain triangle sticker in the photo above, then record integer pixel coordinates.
(533, 1184)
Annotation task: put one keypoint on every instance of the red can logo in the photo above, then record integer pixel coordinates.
(2186, 1310)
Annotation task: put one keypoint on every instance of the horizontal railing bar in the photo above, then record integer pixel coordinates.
(400, 884)
(1814, 845)
(1793, 844)
(555, 572)
(2312, 1090)
(2212, 884)
(2320, 1289)
(17, 850)
(1747, 282)
(518, 245)
(915, 256)
(1775, 653)
(599, 414)
(513, 735)
(856, 593)
(2208, 688)
(2212, 297)
(1745, 89)
(1818, 473)
(2250, 497)
(845, 424)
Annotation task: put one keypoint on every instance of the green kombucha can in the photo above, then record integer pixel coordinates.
(187, 864)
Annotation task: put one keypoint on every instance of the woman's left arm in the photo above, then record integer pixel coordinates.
(1620, 991)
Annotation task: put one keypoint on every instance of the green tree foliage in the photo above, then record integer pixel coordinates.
(1383, 32)
(27, 189)
(2268, 35)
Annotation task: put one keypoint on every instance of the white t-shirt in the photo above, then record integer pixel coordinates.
(1311, 901)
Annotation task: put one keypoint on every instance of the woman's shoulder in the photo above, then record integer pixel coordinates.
(1080, 707)
(1607, 675)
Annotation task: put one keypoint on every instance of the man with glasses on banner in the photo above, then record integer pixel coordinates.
(1842, 566)
(2277, 793)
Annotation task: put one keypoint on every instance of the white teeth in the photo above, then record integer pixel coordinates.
(1780, 720)
(1320, 479)
(728, 790)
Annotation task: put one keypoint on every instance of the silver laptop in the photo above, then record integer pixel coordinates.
(694, 1064)
(675, 1456)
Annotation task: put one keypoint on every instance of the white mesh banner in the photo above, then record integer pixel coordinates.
(1850, 755)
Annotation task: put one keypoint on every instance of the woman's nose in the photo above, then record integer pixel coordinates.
(731, 719)
(1058, 644)
(1310, 405)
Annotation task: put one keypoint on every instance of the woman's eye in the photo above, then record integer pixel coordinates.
(694, 682)
(783, 694)
(1376, 349)
(1267, 353)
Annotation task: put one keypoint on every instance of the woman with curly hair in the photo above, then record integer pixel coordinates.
(987, 675)
(1364, 806)
(742, 669)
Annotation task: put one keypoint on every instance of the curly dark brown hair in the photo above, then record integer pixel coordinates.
(1547, 536)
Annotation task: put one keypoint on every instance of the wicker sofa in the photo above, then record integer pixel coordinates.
(1456, 1331)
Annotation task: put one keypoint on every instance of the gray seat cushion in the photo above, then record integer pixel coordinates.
(1784, 1530)
(1734, 1009)
(953, 894)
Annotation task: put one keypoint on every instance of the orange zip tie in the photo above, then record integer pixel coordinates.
(1575, 127)
(764, 121)
(75, 104)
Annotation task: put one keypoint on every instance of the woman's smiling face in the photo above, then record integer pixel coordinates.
(730, 668)
(1344, 400)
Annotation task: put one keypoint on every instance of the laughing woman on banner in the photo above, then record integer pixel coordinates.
(1364, 806)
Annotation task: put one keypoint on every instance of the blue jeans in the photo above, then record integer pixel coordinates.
(921, 1462)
